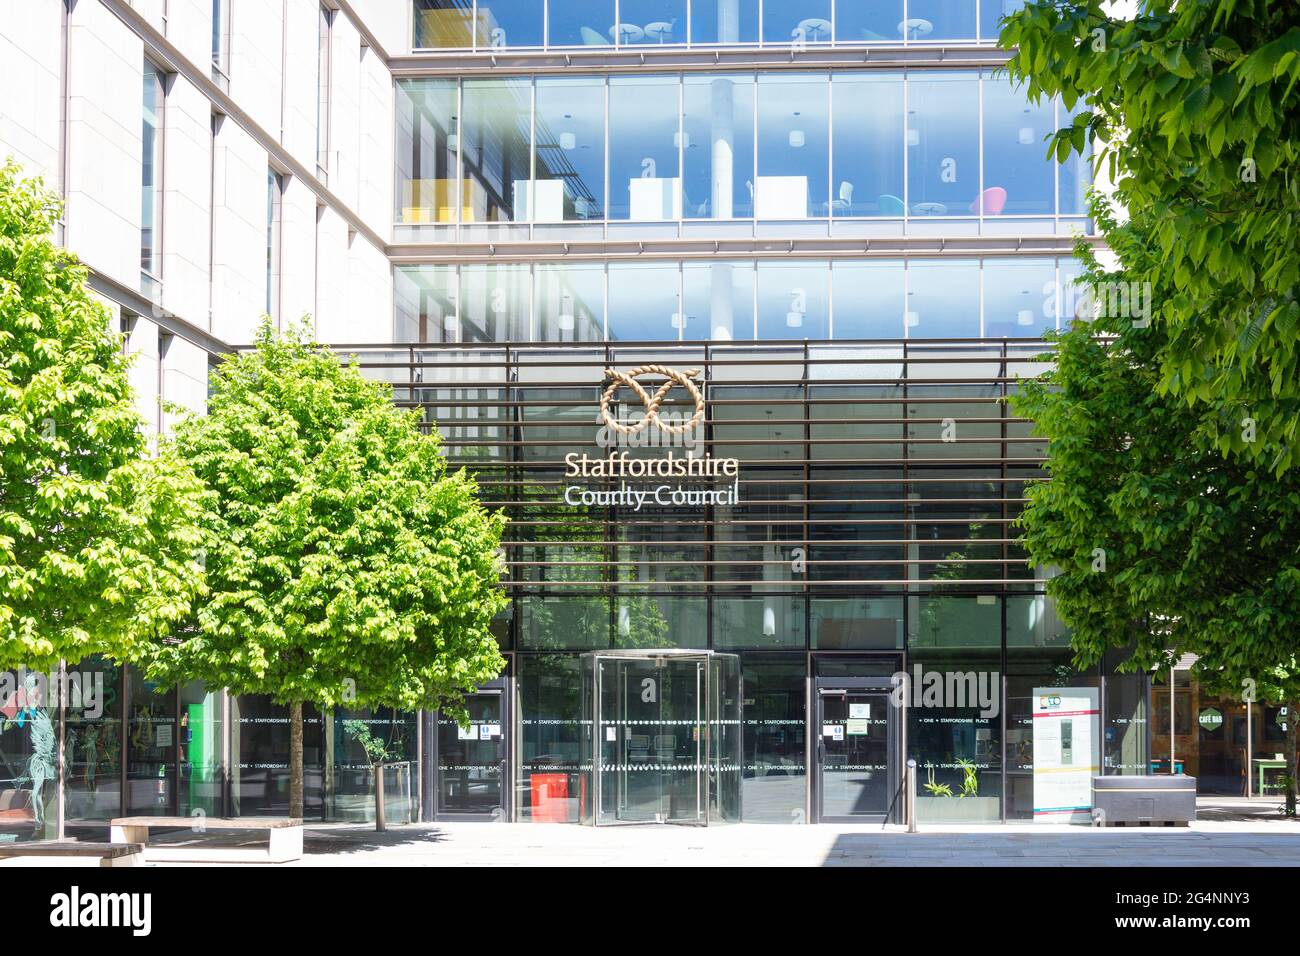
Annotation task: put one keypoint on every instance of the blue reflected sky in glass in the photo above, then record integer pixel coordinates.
(943, 163)
(1019, 297)
(992, 11)
(793, 140)
(652, 22)
(1015, 149)
(718, 301)
(944, 297)
(443, 24)
(494, 302)
(512, 22)
(426, 117)
(707, 27)
(643, 175)
(868, 299)
(947, 19)
(867, 112)
(868, 21)
(1075, 174)
(792, 300)
(495, 149)
(642, 301)
(721, 110)
(580, 22)
(1074, 295)
(570, 301)
(570, 118)
(784, 21)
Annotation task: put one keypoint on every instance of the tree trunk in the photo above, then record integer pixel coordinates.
(295, 760)
(1291, 731)
(381, 824)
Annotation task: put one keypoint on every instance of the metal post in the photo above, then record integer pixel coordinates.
(381, 824)
(911, 796)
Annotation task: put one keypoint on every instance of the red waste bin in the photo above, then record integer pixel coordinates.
(550, 797)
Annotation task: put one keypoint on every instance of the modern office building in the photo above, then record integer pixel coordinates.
(820, 236)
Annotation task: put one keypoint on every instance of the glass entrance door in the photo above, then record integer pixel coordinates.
(855, 754)
(472, 762)
(651, 731)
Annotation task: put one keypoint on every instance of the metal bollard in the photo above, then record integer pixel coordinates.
(911, 796)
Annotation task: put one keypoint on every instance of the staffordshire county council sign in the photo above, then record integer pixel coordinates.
(677, 479)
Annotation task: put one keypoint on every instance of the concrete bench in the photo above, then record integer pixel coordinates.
(110, 854)
(284, 838)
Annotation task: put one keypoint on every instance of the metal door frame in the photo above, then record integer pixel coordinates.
(842, 686)
(497, 688)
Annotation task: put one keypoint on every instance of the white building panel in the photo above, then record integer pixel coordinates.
(30, 57)
(239, 219)
(375, 202)
(297, 252)
(142, 347)
(302, 47)
(332, 276)
(256, 61)
(189, 28)
(389, 22)
(369, 316)
(187, 180)
(345, 119)
(184, 373)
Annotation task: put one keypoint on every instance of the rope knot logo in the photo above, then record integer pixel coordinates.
(672, 377)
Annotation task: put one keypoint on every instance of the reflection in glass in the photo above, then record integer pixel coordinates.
(580, 22)
(1015, 151)
(571, 302)
(550, 716)
(427, 132)
(151, 180)
(718, 301)
(792, 147)
(875, 623)
(941, 19)
(869, 300)
(867, 162)
(654, 22)
(28, 758)
(513, 23)
(943, 299)
(943, 172)
(201, 732)
(495, 150)
(775, 763)
(494, 303)
(643, 302)
(877, 21)
(570, 149)
(259, 757)
(644, 184)
(425, 301)
(718, 146)
(151, 746)
(1075, 174)
(92, 746)
(578, 621)
(443, 24)
(991, 13)
(471, 760)
(724, 21)
(792, 300)
(774, 620)
(1019, 297)
(797, 23)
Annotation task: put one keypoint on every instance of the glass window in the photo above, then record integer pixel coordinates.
(793, 147)
(943, 299)
(274, 194)
(498, 114)
(494, 303)
(644, 184)
(724, 21)
(151, 181)
(991, 14)
(443, 24)
(943, 172)
(1028, 670)
(805, 22)
(1125, 733)
(324, 46)
(512, 22)
(570, 149)
(151, 746)
(792, 300)
(1075, 174)
(842, 623)
(1075, 299)
(571, 302)
(642, 620)
(758, 621)
(718, 148)
(1019, 297)
(201, 732)
(259, 757)
(29, 785)
(775, 768)
(643, 302)
(868, 21)
(550, 747)
(1018, 179)
(652, 21)
(425, 298)
(952, 621)
(93, 744)
(718, 301)
(220, 39)
(868, 299)
(941, 19)
(867, 162)
(427, 134)
(580, 22)
(581, 621)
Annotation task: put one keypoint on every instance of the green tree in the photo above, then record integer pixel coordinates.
(1198, 105)
(1163, 543)
(97, 538)
(346, 566)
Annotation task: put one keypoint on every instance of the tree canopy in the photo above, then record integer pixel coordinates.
(97, 538)
(1197, 103)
